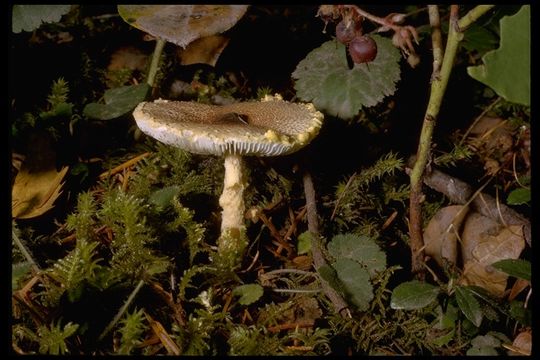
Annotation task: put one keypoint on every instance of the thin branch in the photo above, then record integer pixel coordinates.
(438, 88)
(340, 305)
(122, 310)
(436, 39)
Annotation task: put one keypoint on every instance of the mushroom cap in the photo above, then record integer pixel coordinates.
(263, 128)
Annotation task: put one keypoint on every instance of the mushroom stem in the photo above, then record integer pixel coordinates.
(232, 240)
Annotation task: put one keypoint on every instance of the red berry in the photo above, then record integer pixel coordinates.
(345, 33)
(362, 49)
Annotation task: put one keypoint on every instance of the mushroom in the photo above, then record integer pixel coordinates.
(270, 127)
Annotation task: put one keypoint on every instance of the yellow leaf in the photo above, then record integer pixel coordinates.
(34, 193)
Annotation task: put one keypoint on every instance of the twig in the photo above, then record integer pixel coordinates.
(340, 305)
(167, 297)
(436, 40)
(123, 166)
(461, 193)
(25, 252)
(122, 310)
(303, 324)
(486, 110)
(438, 88)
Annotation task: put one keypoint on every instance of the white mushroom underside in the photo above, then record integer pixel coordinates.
(275, 127)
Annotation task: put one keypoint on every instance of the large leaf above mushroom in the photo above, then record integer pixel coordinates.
(181, 24)
(325, 79)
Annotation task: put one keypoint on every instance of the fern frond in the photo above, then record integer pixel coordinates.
(196, 336)
(83, 220)
(132, 257)
(317, 340)
(458, 152)
(185, 282)
(59, 92)
(69, 273)
(132, 328)
(253, 341)
(52, 340)
(352, 196)
(194, 231)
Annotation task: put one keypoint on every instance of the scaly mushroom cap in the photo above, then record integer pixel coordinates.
(265, 128)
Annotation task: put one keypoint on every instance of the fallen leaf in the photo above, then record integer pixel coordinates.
(205, 50)
(181, 24)
(128, 57)
(441, 234)
(485, 242)
(523, 343)
(38, 184)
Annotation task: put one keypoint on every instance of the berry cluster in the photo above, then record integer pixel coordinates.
(361, 48)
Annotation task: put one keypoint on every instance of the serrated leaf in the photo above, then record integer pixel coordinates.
(163, 197)
(469, 305)
(181, 24)
(413, 295)
(324, 78)
(329, 274)
(304, 243)
(118, 102)
(249, 293)
(519, 197)
(507, 70)
(359, 248)
(515, 267)
(355, 280)
(30, 17)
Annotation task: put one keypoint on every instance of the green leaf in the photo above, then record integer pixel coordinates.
(182, 24)
(355, 280)
(18, 272)
(469, 305)
(163, 197)
(514, 267)
(479, 38)
(329, 274)
(118, 102)
(507, 70)
(482, 351)
(519, 196)
(519, 313)
(325, 79)
(484, 345)
(30, 17)
(248, 293)
(304, 243)
(358, 248)
(413, 295)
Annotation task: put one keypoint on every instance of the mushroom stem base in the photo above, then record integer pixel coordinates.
(232, 241)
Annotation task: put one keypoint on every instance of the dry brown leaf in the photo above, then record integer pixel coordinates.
(181, 24)
(517, 288)
(37, 184)
(205, 50)
(485, 242)
(128, 57)
(166, 341)
(523, 344)
(34, 193)
(441, 234)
